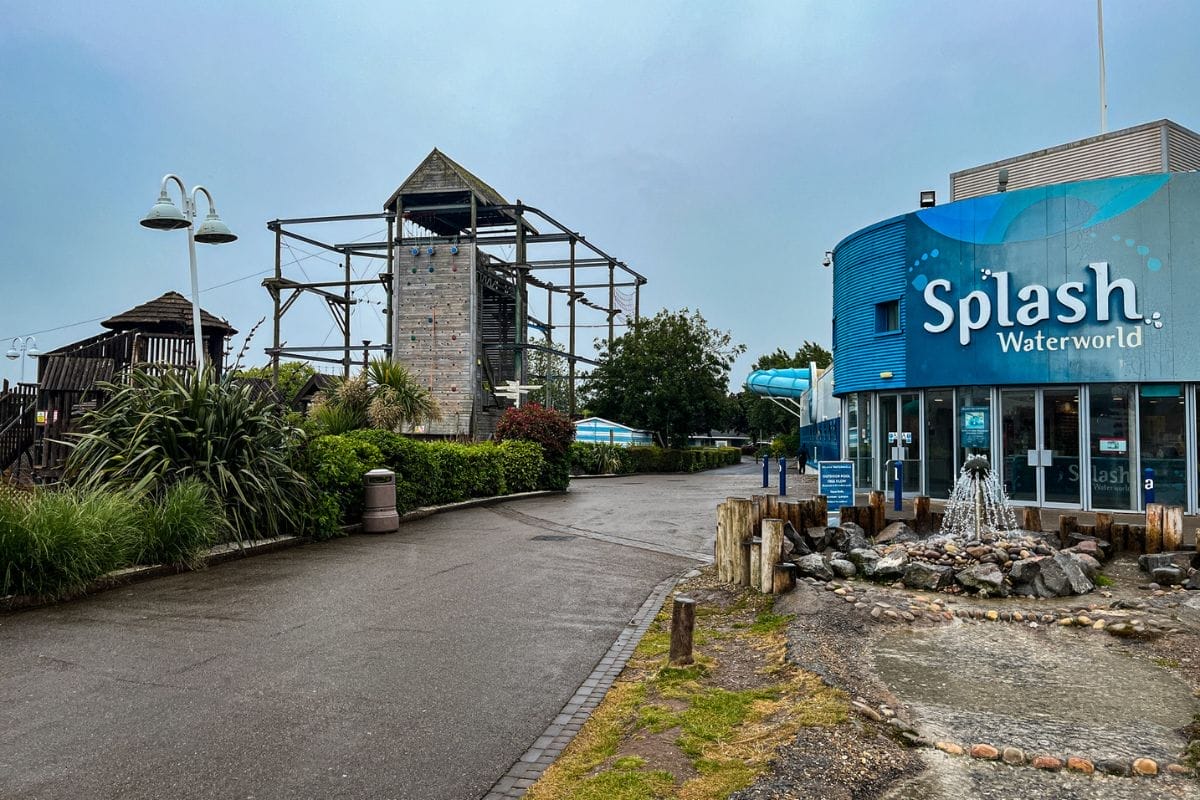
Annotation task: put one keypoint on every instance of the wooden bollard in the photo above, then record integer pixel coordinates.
(1104, 526)
(1066, 526)
(1031, 519)
(921, 521)
(877, 501)
(820, 511)
(683, 621)
(741, 529)
(771, 552)
(784, 578)
(756, 563)
(1154, 527)
(1172, 531)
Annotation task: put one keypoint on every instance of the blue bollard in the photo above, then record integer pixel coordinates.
(782, 476)
(1148, 485)
(766, 471)
(898, 488)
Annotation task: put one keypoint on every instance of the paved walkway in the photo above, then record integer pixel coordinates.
(417, 665)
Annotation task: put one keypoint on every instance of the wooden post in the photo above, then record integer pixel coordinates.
(1031, 519)
(756, 563)
(921, 521)
(771, 553)
(1104, 525)
(877, 501)
(1120, 538)
(1066, 526)
(1172, 532)
(784, 578)
(820, 511)
(1154, 527)
(721, 555)
(741, 528)
(683, 621)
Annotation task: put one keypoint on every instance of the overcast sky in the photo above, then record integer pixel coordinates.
(718, 148)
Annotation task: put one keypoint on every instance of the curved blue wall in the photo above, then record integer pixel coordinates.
(1076, 282)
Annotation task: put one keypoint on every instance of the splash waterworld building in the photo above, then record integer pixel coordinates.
(1047, 317)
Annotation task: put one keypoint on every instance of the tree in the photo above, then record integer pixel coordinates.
(551, 372)
(764, 417)
(667, 374)
(383, 396)
(292, 376)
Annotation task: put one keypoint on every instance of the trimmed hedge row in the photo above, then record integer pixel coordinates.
(427, 473)
(601, 459)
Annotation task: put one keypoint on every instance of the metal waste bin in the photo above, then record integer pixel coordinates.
(379, 507)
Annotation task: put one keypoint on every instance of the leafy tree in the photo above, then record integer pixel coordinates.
(292, 376)
(552, 373)
(764, 417)
(667, 374)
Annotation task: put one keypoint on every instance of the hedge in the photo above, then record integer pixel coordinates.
(600, 459)
(427, 473)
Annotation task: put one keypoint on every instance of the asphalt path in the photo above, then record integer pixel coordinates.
(416, 665)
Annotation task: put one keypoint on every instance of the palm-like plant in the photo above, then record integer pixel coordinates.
(398, 400)
(163, 428)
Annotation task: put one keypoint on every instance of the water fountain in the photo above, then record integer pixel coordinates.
(978, 508)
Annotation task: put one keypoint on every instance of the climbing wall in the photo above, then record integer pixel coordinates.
(435, 313)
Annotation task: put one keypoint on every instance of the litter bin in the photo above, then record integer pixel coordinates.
(379, 506)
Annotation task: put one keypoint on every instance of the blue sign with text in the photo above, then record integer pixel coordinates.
(836, 480)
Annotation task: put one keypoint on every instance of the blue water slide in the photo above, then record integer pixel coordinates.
(790, 383)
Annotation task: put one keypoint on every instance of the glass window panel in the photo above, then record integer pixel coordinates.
(1161, 426)
(1111, 409)
(1060, 432)
(1018, 435)
(973, 397)
(939, 442)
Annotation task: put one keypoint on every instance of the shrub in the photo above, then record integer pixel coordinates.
(523, 463)
(549, 428)
(55, 543)
(336, 466)
(163, 428)
(178, 527)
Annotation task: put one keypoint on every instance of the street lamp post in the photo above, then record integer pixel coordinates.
(165, 216)
(23, 345)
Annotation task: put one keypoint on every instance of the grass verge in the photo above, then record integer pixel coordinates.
(701, 731)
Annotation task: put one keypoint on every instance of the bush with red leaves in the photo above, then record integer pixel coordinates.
(549, 428)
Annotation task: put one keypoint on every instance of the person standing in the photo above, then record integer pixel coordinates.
(803, 457)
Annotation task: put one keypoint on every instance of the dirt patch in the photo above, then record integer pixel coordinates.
(700, 730)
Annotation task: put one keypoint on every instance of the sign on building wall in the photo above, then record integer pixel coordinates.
(1089, 281)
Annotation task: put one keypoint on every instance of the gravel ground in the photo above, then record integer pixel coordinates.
(835, 635)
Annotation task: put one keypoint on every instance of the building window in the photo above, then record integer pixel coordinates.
(887, 316)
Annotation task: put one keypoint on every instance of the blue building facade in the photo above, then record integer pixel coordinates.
(1051, 329)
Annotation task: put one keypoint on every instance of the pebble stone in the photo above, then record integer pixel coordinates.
(950, 748)
(1178, 769)
(985, 752)
(1047, 762)
(1145, 767)
(1077, 764)
(1013, 755)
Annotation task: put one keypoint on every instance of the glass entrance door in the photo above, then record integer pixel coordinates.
(900, 438)
(1040, 440)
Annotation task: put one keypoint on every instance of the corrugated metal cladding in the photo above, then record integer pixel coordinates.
(1135, 151)
(867, 270)
(1183, 150)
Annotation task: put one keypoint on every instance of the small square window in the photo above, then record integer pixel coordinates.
(887, 316)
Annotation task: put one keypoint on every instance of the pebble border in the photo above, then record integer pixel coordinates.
(1139, 767)
(559, 733)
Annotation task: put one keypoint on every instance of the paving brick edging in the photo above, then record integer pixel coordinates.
(559, 733)
(230, 551)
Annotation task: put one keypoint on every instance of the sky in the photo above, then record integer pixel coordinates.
(717, 148)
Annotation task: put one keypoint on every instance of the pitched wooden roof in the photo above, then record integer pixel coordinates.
(170, 313)
(437, 197)
(440, 173)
